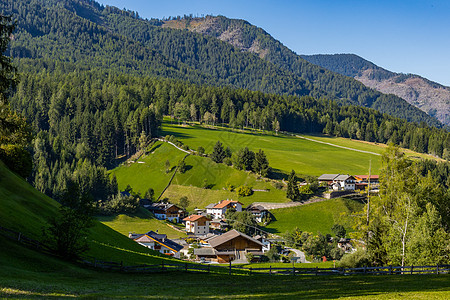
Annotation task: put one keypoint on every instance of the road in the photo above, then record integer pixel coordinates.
(300, 254)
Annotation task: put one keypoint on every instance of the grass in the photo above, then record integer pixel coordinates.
(315, 217)
(26, 210)
(141, 222)
(284, 152)
(27, 274)
(328, 264)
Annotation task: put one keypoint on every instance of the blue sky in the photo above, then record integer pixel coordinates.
(411, 36)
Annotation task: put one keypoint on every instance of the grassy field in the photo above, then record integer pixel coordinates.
(27, 274)
(24, 209)
(314, 217)
(285, 152)
(141, 222)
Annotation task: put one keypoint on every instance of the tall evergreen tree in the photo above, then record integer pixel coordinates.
(261, 164)
(218, 153)
(292, 188)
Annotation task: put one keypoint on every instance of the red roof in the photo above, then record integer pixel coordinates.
(193, 218)
(225, 203)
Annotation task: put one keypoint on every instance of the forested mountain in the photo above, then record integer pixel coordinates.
(93, 36)
(325, 83)
(95, 83)
(429, 96)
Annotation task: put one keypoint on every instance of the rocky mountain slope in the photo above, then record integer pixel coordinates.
(431, 97)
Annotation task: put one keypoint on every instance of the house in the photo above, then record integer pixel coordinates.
(232, 245)
(166, 211)
(258, 211)
(197, 224)
(345, 245)
(344, 183)
(219, 224)
(217, 211)
(157, 242)
(264, 241)
(362, 181)
(327, 178)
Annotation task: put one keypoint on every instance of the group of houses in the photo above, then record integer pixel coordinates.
(345, 182)
(207, 227)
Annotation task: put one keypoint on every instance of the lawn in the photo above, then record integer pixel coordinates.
(141, 222)
(27, 274)
(314, 217)
(284, 152)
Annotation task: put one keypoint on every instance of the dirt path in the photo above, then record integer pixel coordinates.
(334, 145)
(272, 205)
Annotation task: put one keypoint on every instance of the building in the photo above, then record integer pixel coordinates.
(198, 225)
(157, 242)
(219, 224)
(362, 181)
(217, 211)
(327, 178)
(344, 183)
(167, 211)
(258, 211)
(232, 245)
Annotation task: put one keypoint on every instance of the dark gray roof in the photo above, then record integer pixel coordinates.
(343, 177)
(211, 205)
(214, 242)
(327, 177)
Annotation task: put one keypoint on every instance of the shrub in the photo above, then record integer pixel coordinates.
(229, 186)
(244, 191)
(227, 161)
(201, 150)
(354, 260)
(250, 257)
(278, 185)
(17, 159)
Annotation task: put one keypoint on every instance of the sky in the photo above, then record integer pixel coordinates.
(410, 36)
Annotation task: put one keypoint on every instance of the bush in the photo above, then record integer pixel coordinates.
(229, 186)
(118, 204)
(354, 260)
(250, 257)
(227, 161)
(278, 185)
(244, 191)
(201, 150)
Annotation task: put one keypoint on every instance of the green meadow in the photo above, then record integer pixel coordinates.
(315, 217)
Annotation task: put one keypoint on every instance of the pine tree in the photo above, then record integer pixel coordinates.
(218, 153)
(261, 164)
(292, 188)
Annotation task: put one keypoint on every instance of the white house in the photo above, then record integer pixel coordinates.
(217, 211)
(198, 225)
(344, 183)
(157, 242)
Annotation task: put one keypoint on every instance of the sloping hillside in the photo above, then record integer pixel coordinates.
(431, 97)
(24, 209)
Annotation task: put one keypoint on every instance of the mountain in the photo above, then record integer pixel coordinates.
(431, 97)
(326, 83)
(76, 34)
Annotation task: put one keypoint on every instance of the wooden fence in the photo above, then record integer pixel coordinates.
(208, 268)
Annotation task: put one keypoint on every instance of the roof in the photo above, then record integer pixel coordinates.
(327, 177)
(211, 205)
(160, 239)
(194, 218)
(225, 203)
(343, 177)
(258, 208)
(162, 206)
(228, 236)
(367, 176)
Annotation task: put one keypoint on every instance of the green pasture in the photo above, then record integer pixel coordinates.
(284, 152)
(314, 217)
(27, 274)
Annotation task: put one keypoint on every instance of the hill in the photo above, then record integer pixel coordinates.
(431, 97)
(85, 35)
(24, 209)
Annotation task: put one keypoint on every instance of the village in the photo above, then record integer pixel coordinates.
(210, 238)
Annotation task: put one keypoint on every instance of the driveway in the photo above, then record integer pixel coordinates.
(300, 254)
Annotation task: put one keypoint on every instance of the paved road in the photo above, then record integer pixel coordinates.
(273, 205)
(334, 145)
(300, 254)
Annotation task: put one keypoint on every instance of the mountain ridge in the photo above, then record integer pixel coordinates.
(429, 96)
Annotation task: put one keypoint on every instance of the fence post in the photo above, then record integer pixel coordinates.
(293, 271)
(270, 270)
(390, 270)
(18, 237)
(412, 267)
(95, 262)
(121, 265)
(250, 270)
(437, 269)
(185, 267)
(317, 270)
(229, 269)
(208, 268)
(365, 269)
(162, 265)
